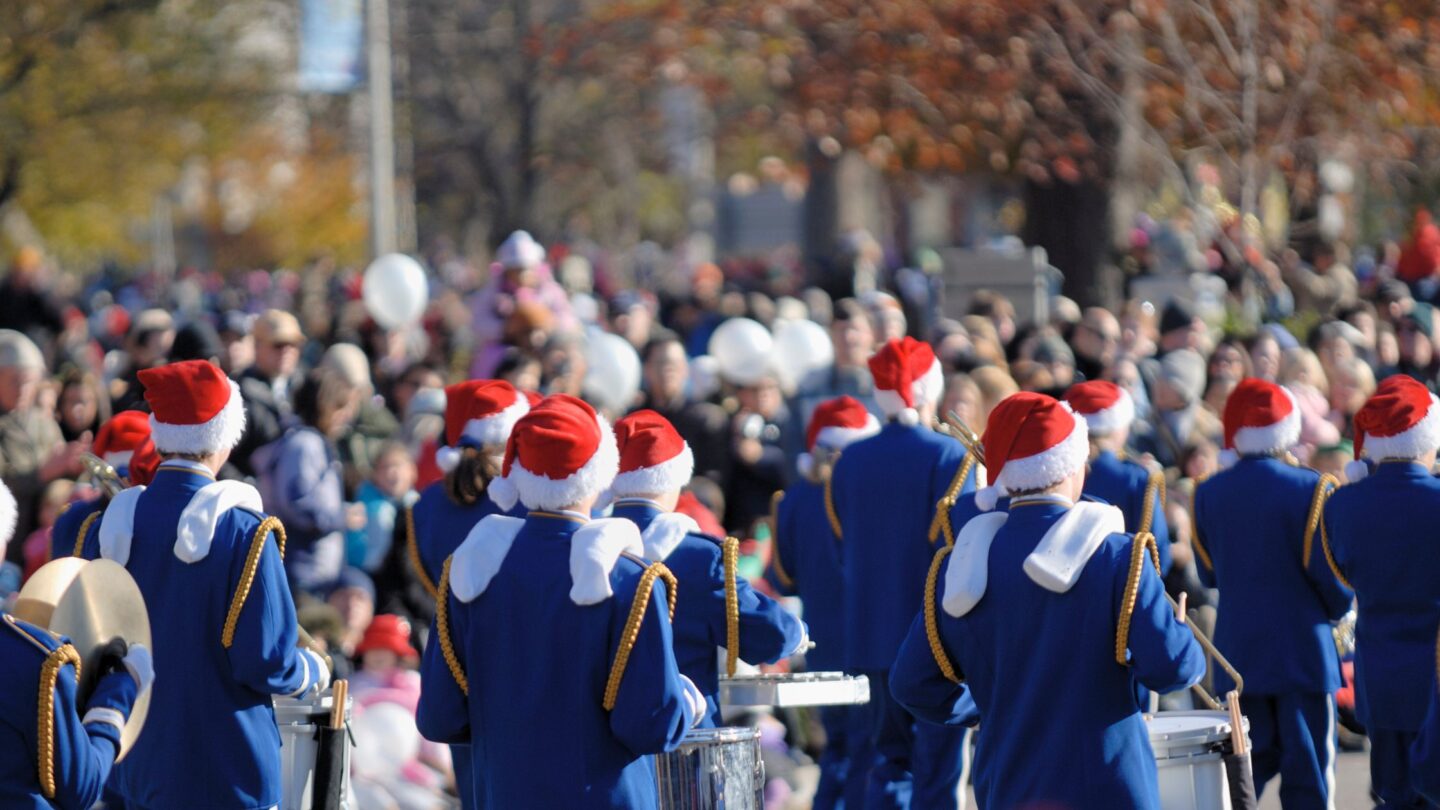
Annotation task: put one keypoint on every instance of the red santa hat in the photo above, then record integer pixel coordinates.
(907, 376)
(1260, 417)
(194, 407)
(1400, 420)
(834, 425)
(654, 460)
(479, 414)
(559, 453)
(1031, 442)
(119, 438)
(9, 513)
(1106, 406)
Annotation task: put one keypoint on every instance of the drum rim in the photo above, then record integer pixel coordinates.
(720, 734)
(1218, 729)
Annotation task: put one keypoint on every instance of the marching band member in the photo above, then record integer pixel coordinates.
(1377, 533)
(655, 465)
(1425, 754)
(1139, 493)
(215, 588)
(1255, 539)
(884, 492)
(479, 415)
(124, 443)
(1025, 609)
(551, 648)
(805, 561)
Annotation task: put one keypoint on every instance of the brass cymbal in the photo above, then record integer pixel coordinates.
(37, 600)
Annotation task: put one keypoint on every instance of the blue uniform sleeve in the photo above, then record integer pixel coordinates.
(768, 632)
(263, 654)
(85, 748)
(650, 713)
(1425, 753)
(1160, 527)
(1324, 577)
(1204, 562)
(917, 683)
(444, 712)
(1164, 655)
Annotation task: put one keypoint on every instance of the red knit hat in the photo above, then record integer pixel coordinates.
(1031, 442)
(654, 460)
(559, 453)
(194, 407)
(1106, 406)
(387, 632)
(1400, 420)
(907, 375)
(479, 414)
(533, 398)
(1260, 417)
(834, 424)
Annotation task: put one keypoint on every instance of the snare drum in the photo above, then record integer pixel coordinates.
(1189, 759)
(795, 689)
(299, 720)
(713, 769)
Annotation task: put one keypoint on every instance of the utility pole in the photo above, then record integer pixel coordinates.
(383, 237)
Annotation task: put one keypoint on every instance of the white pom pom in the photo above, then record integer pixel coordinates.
(1228, 458)
(503, 492)
(1356, 470)
(908, 417)
(9, 513)
(987, 497)
(805, 464)
(447, 459)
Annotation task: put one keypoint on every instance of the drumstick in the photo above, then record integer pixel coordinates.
(1180, 608)
(1237, 723)
(338, 693)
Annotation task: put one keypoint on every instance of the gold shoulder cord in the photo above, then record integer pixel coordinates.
(830, 509)
(632, 626)
(247, 576)
(932, 620)
(1154, 496)
(1330, 556)
(412, 549)
(1142, 542)
(442, 628)
(49, 674)
(1200, 552)
(1323, 489)
(941, 521)
(84, 530)
(730, 555)
(780, 572)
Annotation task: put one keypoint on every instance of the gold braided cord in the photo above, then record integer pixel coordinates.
(1138, 547)
(442, 628)
(1330, 557)
(1323, 488)
(247, 576)
(672, 585)
(45, 741)
(932, 624)
(941, 521)
(84, 530)
(1154, 494)
(412, 550)
(1200, 552)
(780, 572)
(730, 554)
(830, 509)
(631, 633)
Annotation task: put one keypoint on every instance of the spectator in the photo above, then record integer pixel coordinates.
(963, 398)
(758, 465)
(1352, 383)
(1420, 257)
(994, 385)
(390, 488)
(147, 345)
(852, 336)
(1180, 328)
(32, 450)
(1179, 417)
(1096, 341)
(519, 274)
(267, 386)
(198, 340)
(238, 346)
(700, 424)
(52, 502)
(25, 305)
(373, 425)
(81, 406)
(998, 310)
(352, 594)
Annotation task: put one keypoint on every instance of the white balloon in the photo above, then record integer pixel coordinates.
(385, 739)
(801, 349)
(743, 349)
(612, 371)
(395, 290)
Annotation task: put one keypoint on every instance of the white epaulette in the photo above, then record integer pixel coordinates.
(479, 558)
(1060, 557)
(967, 570)
(664, 534)
(594, 550)
(117, 525)
(195, 530)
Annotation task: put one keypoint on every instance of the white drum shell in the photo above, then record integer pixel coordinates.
(1188, 759)
(298, 719)
(713, 769)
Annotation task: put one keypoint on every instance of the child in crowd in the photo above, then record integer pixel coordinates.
(390, 488)
(52, 502)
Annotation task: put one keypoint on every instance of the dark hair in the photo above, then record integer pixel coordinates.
(467, 482)
(323, 392)
(659, 340)
(848, 309)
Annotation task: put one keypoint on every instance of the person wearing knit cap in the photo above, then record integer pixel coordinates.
(1109, 412)
(124, 443)
(1378, 535)
(1256, 541)
(884, 492)
(805, 561)
(655, 464)
(534, 653)
(208, 562)
(1177, 384)
(1024, 612)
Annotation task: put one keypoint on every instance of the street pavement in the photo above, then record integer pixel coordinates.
(1352, 784)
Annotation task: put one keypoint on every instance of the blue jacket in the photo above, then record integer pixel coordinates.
(1126, 484)
(84, 746)
(1378, 530)
(201, 683)
(1024, 652)
(884, 490)
(536, 666)
(1276, 606)
(767, 631)
(1425, 753)
(806, 562)
(441, 526)
(67, 527)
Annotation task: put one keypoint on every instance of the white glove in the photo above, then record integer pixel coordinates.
(695, 700)
(317, 666)
(804, 640)
(141, 666)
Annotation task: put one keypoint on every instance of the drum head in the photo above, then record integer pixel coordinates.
(103, 602)
(1188, 727)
